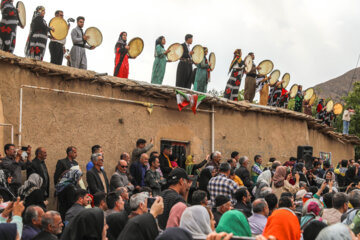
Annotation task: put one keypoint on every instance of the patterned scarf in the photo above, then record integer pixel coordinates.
(237, 59)
(120, 41)
(70, 177)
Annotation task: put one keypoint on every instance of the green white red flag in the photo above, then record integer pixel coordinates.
(184, 99)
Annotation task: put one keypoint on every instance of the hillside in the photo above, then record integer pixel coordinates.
(337, 87)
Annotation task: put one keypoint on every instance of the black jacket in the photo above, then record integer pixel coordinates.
(63, 165)
(244, 174)
(164, 165)
(94, 182)
(45, 236)
(40, 168)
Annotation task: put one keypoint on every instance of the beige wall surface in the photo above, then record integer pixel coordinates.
(57, 120)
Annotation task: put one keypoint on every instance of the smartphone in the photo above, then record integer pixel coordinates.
(24, 149)
(150, 202)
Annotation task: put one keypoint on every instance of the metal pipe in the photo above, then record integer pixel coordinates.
(20, 116)
(212, 128)
(12, 130)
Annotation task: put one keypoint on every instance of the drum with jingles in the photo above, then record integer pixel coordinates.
(266, 67)
(285, 80)
(338, 108)
(61, 28)
(312, 99)
(248, 63)
(309, 94)
(293, 90)
(198, 54)
(176, 51)
(20, 6)
(136, 46)
(330, 106)
(95, 36)
(274, 77)
(212, 61)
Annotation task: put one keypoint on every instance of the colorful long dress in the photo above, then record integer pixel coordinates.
(284, 98)
(8, 25)
(121, 59)
(36, 43)
(298, 101)
(202, 76)
(159, 66)
(234, 82)
(274, 97)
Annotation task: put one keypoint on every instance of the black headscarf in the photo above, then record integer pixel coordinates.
(175, 234)
(141, 227)
(350, 176)
(312, 230)
(204, 178)
(159, 41)
(116, 223)
(120, 41)
(8, 231)
(87, 225)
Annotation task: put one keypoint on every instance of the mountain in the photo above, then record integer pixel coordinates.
(338, 87)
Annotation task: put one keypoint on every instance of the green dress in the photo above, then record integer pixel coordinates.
(159, 65)
(298, 102)
(201, 77)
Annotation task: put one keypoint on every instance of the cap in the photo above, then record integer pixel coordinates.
(176, 174)
(221, 200)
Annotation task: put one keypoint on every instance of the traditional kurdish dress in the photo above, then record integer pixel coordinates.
(274, 97)
(37, 40)
(284, 98)
(233, 84)
(8, 25)
(298, 101)
(159, 64)
(184, 69)
(250, 84)
(78, 53)
(121, 58)
(202, 76)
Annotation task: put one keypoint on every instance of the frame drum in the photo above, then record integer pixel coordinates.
(312, 99)
(248, 63)
(293, 90)
(330, 106)
(212, 61)
(309, 94)
(136, 46)
(95, 35)
(338, 109)
(198, 55)
(274, 76)
(266, 67)
(286, 80)
(21, 13)
(176, 51)
(61, 28)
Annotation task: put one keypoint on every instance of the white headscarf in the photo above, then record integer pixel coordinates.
(196, 220)
(32, 183)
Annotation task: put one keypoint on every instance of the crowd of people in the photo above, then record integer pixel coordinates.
(151, 195)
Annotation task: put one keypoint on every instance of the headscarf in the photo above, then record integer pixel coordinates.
(312, 209)
(312, 230)
(70, 177)
(283, 225)
(204, 177)
(175, 215)
(88, 224)
(38, 11)
(175, 233)
(189, 160)
(237, 59)
(279, 176)
(196, 220)
(159, 41)
(3, 2)
(120, 41)
(265, 177)
(34, 182)
(8, 231)
(116, 223)
(335, 232)
(234, 221)
(141, 227)
(5, 190)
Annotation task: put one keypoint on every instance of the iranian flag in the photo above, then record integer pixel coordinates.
(184, 99)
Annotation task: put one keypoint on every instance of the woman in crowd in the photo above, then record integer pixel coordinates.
(336, 232)
(312, 230)
(205, 175)
(264, 180)
(175, 214)
(202, 75)
(312, 210)
(116, 223)
(197, 221)
(31, 191)
(5, 190)
(192, 168)
(159, 66)
(235, 222)
(121, 57)
(281, 182)
(175, 233)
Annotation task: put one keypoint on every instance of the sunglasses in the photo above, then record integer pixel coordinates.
(124, 166)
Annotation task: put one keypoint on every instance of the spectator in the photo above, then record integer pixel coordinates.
(124, 194)
(121, 177)
(336, 231)
(235, 178)
(199, 197)
(15, 227)
(235, 155)
(6, 191)
(243, 199)
(179, 186)
(140, 149)
(312, 230)
(94, 149)
(125, 156)
(243, 173)
(96, 177)
(222, 205)
(31, 191)
(312, 210)
(82, 199)
(264, 180)
(256, 169)
(205, 175)
(174, 233)
(65, 164)
(222, 185)
(340, 173)
(290, 163)
(191, 167)
(215, 160)
(232, 163)
(340, 206)
(32, 222)
(153, 178)
(175, 215)
(138, 204)
(116, 223)
(258, 220)
(281, 182)
(234, 222)
(165, 162)
(100, 200)
(196, 220)
(354, 199)
(38, 166)
(272, 202)
(287, 202)
(114, 202)
(138, 170)
(51, 226)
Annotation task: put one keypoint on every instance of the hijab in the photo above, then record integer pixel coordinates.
(280, 229)
(264, 180)
(196, 220)
(141, 227)
(34, 182)
(120, 41)
(175, 233)
(335, 232)
(237, 59)
(175, 215)
(3, 2)
(205, 176)
(8, 231)
(234, 221)
(88, 224)
(159, 41)
(70, 177)
(279, 176)
(312, 209)
(312, 230)
(116, 223)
